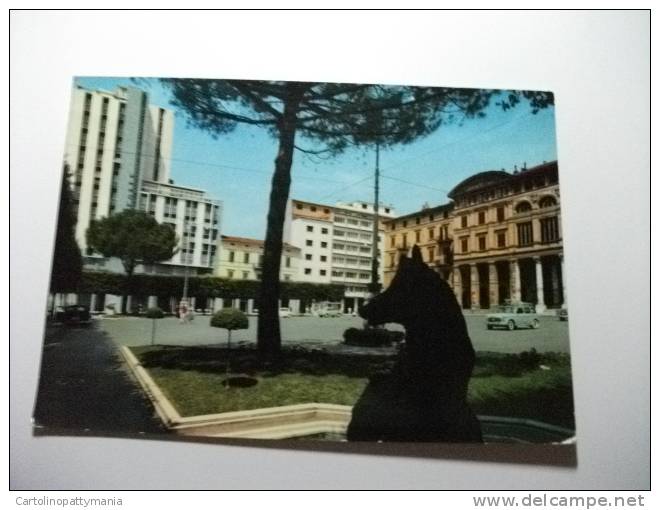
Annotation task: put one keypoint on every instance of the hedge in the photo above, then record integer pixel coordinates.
(99, 282)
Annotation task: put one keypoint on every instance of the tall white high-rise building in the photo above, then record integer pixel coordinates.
(118, 154)
(336, 244)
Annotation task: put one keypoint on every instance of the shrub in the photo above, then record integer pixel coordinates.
(229, 318)
(372, 337)
(154, 313)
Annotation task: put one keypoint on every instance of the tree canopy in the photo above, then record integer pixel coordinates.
(132, 236)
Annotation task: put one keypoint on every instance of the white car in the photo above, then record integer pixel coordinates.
(513, 316)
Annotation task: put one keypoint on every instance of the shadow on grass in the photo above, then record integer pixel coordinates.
(214, 360)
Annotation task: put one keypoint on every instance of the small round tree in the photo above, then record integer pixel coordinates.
(229, 319)
(154, 313)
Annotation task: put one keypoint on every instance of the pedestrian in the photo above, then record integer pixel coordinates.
(183, 314)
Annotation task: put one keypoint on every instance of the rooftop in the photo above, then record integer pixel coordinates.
(489, 178)
(251, 242)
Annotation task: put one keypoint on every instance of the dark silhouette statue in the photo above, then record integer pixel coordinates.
(424, 398)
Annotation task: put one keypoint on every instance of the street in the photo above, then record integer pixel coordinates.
(552, 334)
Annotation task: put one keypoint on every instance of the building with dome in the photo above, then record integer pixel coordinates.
(498, 239)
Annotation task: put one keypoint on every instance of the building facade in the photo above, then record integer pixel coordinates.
(118, 155)
(241, 258)
(430, 229)
(504, 239)
(336, 244)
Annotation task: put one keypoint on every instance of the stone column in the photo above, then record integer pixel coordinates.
(458, 286)
(493, 284)
(92, 302)
(129, 304)
(217, 304)
(540, 301)
(152, 302)
(474, 287)
(515, 281)
(250, 305)
(563, 282)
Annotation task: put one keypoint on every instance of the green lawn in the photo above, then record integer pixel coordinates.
(502, 384)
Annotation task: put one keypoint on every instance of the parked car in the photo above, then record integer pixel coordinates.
(513, 316)
(562, 313)
(285, 312)
(73, 314)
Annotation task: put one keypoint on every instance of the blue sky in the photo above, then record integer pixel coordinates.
(237, 167)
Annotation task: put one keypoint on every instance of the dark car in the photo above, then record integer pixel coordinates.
(73, 314)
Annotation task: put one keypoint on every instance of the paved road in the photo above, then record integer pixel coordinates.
(84, 386)
(551, 336)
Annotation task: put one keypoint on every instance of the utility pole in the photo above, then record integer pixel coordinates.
(375, 286)
(185, 245)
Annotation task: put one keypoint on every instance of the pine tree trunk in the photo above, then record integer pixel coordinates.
(127, 287)
(269, 340)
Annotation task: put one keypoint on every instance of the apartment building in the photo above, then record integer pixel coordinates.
(336, 244)
(118, 154)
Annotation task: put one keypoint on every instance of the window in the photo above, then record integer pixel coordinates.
(482, 217)
(431, 254)
(464, 221)
(392, 226)
(324, 258)
(231, 256)
(230, 273)
(245, 275)
(404, 224)
(287, 262)
(500, 214)
(322, 272)
(387, 210)
(404, 244)
(312, 208)
(417, 221)
(525, 236)
(246, 258)
(324, 244)
(364, 206)
(392, 241)
(308, 242)
(324, 231)
(310, 228)
(308, 270)
(523, 207)
(482, 243)
(501, 238)
(547, 201)
(431, 233)
(299, 206)
(326, 211)
(417, 236)
(308, 256)
(549, 230)
(464, 245)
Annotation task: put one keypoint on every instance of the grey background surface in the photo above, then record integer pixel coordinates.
(596, 63)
